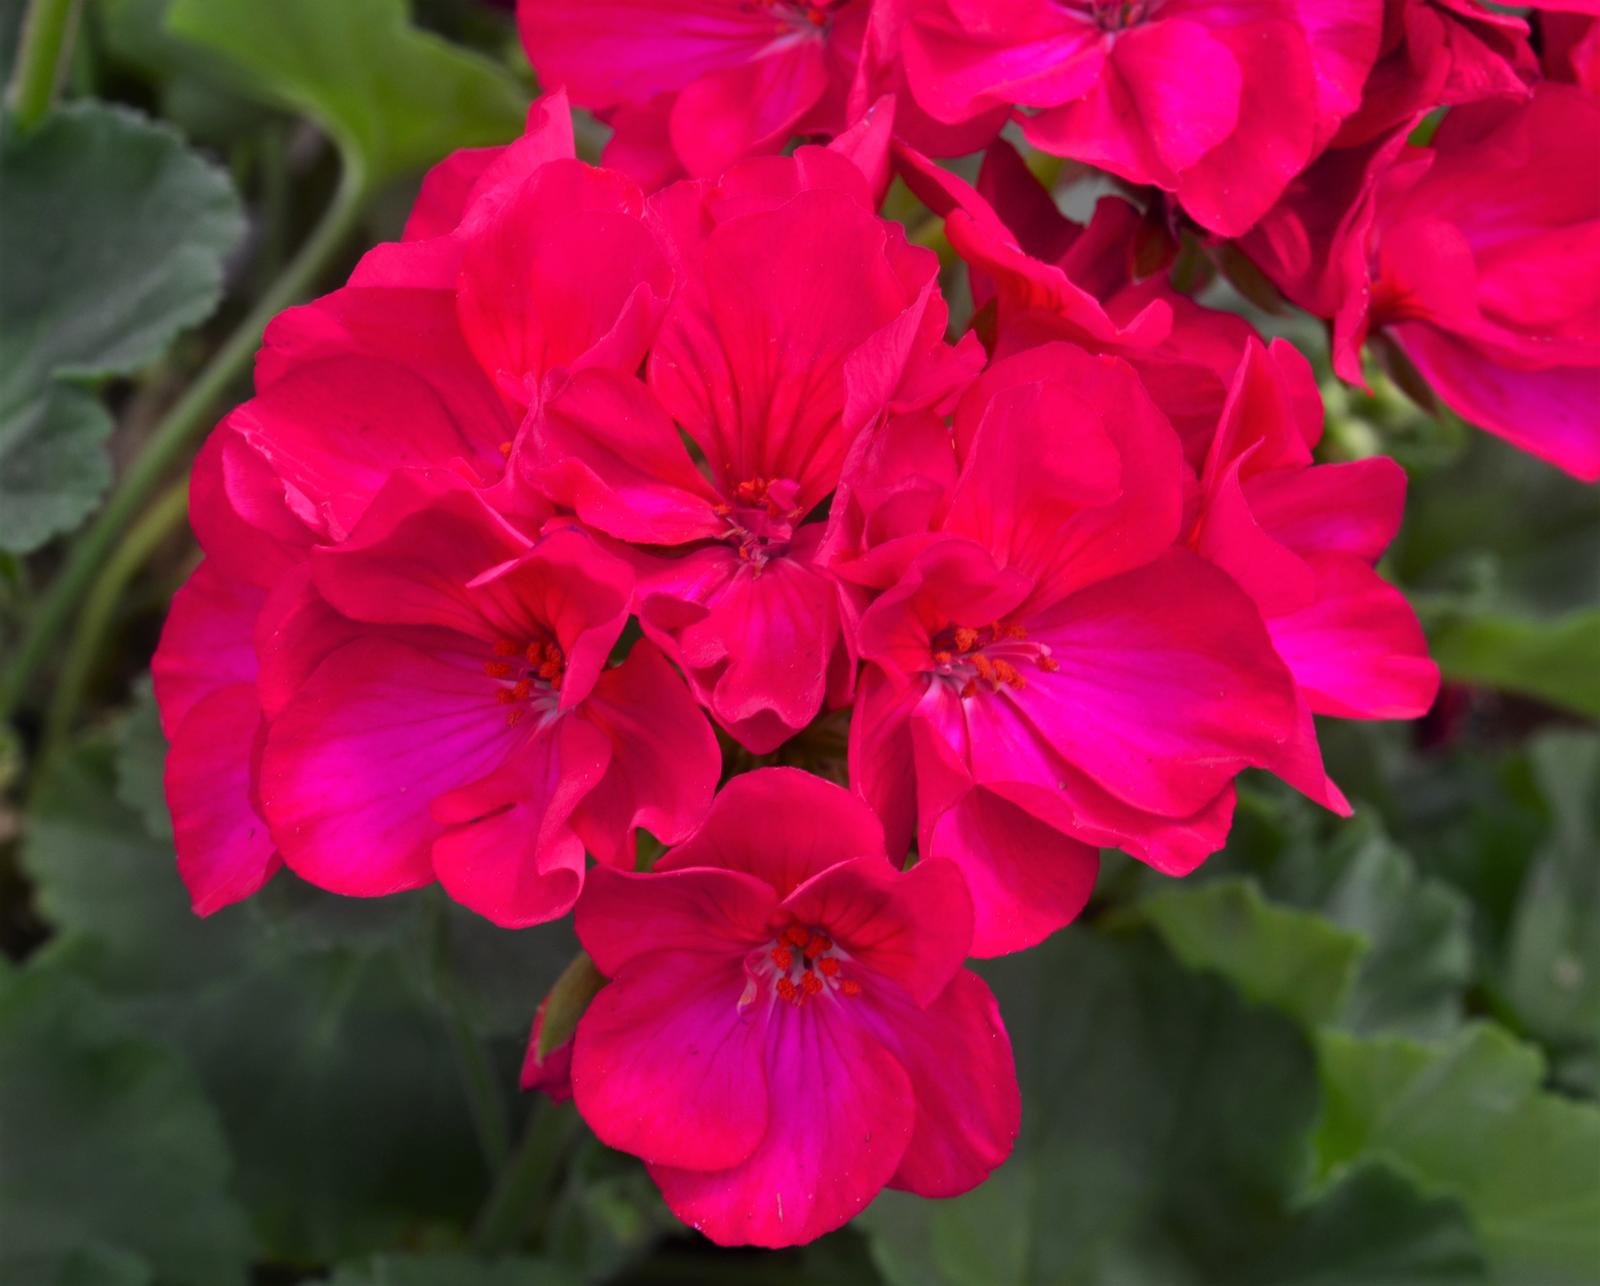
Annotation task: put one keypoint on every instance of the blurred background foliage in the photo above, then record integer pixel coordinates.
(1343, 1052)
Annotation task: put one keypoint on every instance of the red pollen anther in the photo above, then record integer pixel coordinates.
(811, 984)
(787, 991)
(828, 965)
(1015, 632)
(521, 688)
(1049, 664)
(797, 935)
(505, 449)
(966, 639)
(751, 492)
(943, 658)
(1007, 674)
(783, 958)
(850, 987)
(984, 666)
(816, 946)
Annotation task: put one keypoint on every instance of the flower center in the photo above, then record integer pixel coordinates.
(797, 13)
(761, 514)
(1109, 15)
(528, 675)
(800, 965)
(990, 657)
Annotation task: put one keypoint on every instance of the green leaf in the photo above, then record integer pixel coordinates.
(394, 97)
(141, 759)
(1164, 1139)
(451, 1270)
(1295, 961)
(115, 240)
(1551, 973)
(116, 1169)
(323, 1049)
(579, 983)
(1468, 1119)
(1557, 661)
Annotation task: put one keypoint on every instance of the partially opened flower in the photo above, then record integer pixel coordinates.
(1049, 672)
(788, 1028)
(442, 708)
(691, 86)
(1473, 257)
(1037, 276)
(1220, 104)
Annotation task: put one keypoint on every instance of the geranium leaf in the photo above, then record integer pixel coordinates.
(1165, 1135)
(394, 97)
(116, 1167)
(115, 238)
(1468, 1119)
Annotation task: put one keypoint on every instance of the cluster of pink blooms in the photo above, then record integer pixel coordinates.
(602, 464)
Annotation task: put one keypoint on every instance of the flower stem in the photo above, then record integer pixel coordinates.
(174, 435)
(99, 607)
(525, 1182)
(41, 57)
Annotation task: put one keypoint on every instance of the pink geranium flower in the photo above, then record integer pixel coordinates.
(1049, 672)
(1221, 104)
(788, 1028)
(1473, 257)
(801, 319)
(1038, 276)
(442, 708)
(1301, 539)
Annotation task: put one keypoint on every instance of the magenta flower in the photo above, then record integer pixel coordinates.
(442, 709)
(1301, 539)
(802, 318)
(693, 85)
(788, 1028)
(1221, 104)
(1472, 258)
(1048, 672)
(1039, 276)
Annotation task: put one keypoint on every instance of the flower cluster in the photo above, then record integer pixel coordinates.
(607, 486)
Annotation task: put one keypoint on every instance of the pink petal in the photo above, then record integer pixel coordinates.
(668, 1066)
(626, 918)
(207, 642)
(1358, 651)
(1167, 686)
(664, 757)
(1352, 508)
(780, 825)
(353, 763)
(747, 108)
(840, 1117)
(604, 447)
(566, 274)
(225, 852)
(1027, 879)
(509, 851)
(964, 1079)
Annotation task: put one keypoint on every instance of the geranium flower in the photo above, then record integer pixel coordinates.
(788, 1028)
(1472, 257)
(1439, 53)
(1048, 671)
(693, 85)
(800, 320)
(442, 708)
(1301, 539)
(1221, 104)
(1038, 276)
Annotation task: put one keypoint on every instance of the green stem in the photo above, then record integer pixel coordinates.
(484, 1100)
(100, 607)
(174, 435)
(41, 58)
(525, 1182)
